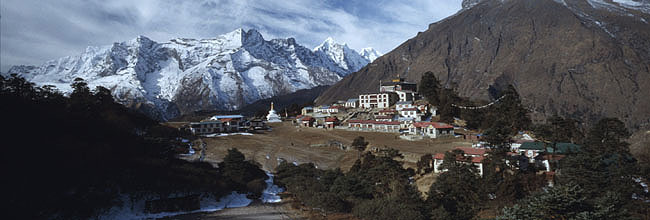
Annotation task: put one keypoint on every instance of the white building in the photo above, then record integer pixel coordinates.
(380, 100)
(410, 113)
(431, 129)
(403, 104)
(471, 155)
(405, 95)
(327, 109)
(230, 122)
(206, 127)
(352, 103)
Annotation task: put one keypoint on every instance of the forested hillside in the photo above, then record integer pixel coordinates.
(73, 158)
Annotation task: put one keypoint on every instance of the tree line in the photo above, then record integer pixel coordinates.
(73, 157)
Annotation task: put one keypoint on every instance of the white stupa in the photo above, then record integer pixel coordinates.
(272, 116)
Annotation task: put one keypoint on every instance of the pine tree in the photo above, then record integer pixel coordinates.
(430, 88)
(455, 194)
(359, 143)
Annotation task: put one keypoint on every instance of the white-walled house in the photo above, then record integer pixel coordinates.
(473, 155)
(412, 113)
(405, 95)
(206, 127)
(403, 104)
(352, 103)
(431, 129)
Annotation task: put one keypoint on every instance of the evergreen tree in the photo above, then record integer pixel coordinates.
(510, 110)
(568, 201)
(430, 88)
(604, 166)
(359, 143)
(455, 194)
(446, 109)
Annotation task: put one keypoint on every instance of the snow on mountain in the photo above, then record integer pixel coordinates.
(370, 54)
(185, 75)
(342, 55)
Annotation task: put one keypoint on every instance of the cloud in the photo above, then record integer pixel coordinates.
(33, 31)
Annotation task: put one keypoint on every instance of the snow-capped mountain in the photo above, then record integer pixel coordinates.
(370, 53)
(342, 55)
(186, 75)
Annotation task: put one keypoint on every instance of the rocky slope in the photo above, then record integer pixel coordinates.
(181, 76)
(580, 58)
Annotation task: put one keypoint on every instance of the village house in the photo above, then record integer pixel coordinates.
(387, 112)
(372, 125)
(256, 124)
(331, 122)
(403, 104)
(307, 110)
(405, 95)
(231, 123)
(326, 109)
(378, 100)
(352, 103)
(431, 129)
(206, 127)
(471, 155)
(307, 121)
(384, 118)
(533, 149)
(410, 113)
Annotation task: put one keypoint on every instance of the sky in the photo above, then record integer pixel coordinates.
(35, 31)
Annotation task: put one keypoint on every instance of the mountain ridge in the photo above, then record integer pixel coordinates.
(572, 58)
(183, 75)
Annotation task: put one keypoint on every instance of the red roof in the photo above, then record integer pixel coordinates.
(409, 109)
(439, 125)
(421, 124)
(331, 119)
(473, 151)
(439, 156)
(384, 117)
(226, 119)
(388, 110)
(307, 118)
(386, 122)
(374, 122)
(478, 159)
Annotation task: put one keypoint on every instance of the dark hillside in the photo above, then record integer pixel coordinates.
(70, 158)
(575, 60)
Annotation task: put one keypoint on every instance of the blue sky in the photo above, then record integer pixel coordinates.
(34, 31)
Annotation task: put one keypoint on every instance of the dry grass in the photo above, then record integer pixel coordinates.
(293, 143)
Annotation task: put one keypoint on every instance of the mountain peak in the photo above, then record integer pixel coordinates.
(329, 43)
(370, 53)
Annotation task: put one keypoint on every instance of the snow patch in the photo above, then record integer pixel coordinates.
(135, 209)
(228, 134)
(270, 194)
(634, 5)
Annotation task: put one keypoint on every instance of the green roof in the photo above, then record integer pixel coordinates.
(562, 148)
